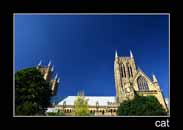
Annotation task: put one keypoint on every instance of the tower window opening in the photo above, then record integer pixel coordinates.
(128, 68)
(123, 70)
(131, 71)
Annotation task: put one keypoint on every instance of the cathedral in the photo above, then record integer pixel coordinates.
(129, 80)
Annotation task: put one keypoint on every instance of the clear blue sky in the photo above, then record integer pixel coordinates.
(82, 48)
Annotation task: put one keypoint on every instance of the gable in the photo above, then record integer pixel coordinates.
(148, 80)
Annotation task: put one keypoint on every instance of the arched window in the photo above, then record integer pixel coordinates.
(131, 71)
(103, 112)
(111, 110)
(122, 70)
(128, 68)
(124, 74)
(142, 84)
(128, 71)
(146, 86)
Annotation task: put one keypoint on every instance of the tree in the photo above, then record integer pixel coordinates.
(141, 105)
(32, 92)
(81, 106)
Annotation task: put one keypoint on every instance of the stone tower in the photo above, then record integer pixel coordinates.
(124, 71)
(47, 72)
(130, 81)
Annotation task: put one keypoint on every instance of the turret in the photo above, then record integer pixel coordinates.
(131, 54)
(52, 68)
(58, 80)
(49, 64)
(116, 54)
(39, 64)
(56, 76)
(154, 79)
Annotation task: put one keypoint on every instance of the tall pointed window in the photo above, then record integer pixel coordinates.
(128, 68)
(123, 70)
(142, 84)
(131, 71)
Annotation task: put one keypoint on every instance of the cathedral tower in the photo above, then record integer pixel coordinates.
(47, 72)
(130, 81)
(124, 71)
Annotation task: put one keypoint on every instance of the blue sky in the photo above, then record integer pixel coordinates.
(82, 48)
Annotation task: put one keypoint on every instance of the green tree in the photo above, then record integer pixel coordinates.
(32, 92)
(141, 106)
(81, 106)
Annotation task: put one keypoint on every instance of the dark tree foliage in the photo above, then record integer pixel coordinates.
(32, 92)
(141, 106)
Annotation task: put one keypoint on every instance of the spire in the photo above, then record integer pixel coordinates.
(154, 79)
(131, 54)
(40, 62)
(58, 80)
(116, 54)
(49, 64)
(56, 76)
(52, 68)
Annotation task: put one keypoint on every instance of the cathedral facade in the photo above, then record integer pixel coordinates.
(130, 80)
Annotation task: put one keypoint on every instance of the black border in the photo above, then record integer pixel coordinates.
(79, 7)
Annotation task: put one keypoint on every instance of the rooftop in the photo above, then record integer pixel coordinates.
(92, 100)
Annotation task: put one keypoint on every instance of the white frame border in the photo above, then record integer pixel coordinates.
(88, 14)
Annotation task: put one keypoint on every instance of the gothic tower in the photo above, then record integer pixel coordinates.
(124, 71)
(47, 72)
(130, 81)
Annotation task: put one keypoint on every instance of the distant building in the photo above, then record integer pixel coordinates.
(47, 72)
(98, 105)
